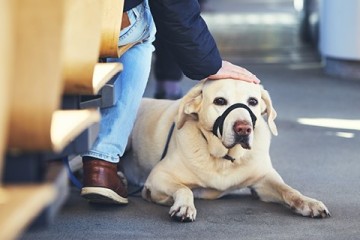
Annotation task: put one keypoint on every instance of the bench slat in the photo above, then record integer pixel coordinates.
(111, 22)
(101, 74)
(67, 124)
(36, 84)
(6, 49)
(19, 205)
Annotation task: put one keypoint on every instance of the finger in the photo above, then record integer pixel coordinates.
(235, 68)
(245, 77)
(242, 70)
(235, 75)
(256, 79)
(232, 67)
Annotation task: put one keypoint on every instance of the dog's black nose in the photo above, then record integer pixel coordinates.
(242, 128)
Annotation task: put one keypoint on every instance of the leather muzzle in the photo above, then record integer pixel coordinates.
(219, 123)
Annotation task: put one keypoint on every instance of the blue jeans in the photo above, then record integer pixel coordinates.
(117, 121)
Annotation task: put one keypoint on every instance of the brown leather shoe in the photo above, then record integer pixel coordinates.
(102, 183)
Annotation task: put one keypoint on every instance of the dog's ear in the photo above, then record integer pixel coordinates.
(190, 104)
(267, 108)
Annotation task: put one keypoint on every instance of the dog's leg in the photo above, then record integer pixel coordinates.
(183, 208)
(166, 192)
(272, 188)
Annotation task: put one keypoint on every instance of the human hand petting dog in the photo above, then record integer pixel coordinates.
(229, 70)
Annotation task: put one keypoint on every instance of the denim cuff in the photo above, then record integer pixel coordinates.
(102, 156)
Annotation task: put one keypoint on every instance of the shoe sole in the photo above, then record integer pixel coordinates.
(102, 195)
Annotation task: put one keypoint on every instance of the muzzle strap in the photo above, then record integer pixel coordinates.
(219, 123)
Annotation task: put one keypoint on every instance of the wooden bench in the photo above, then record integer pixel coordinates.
(18, 204)
(31, 44)
(88, 35)
(37, 84)
(6, 47)
(50, 48)
(110, 28)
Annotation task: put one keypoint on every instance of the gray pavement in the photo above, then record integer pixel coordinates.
(321, 162)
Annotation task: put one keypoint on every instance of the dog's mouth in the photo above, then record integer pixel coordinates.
(244, 142)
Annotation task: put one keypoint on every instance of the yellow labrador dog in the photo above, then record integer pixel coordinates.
(220, 143)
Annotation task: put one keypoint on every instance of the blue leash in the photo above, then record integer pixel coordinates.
(71, 175)
(167, 141)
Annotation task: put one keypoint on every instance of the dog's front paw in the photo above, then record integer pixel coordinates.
(309, 207)
(183, 213)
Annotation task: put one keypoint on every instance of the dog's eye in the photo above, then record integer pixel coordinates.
(253, 101)
(220, 101)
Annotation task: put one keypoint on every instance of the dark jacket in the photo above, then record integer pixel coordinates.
(181, 27)
(129, 4)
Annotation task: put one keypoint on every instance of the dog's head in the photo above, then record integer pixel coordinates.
(228, 108)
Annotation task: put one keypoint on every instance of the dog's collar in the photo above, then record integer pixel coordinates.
(228, 157)
(219, 123)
